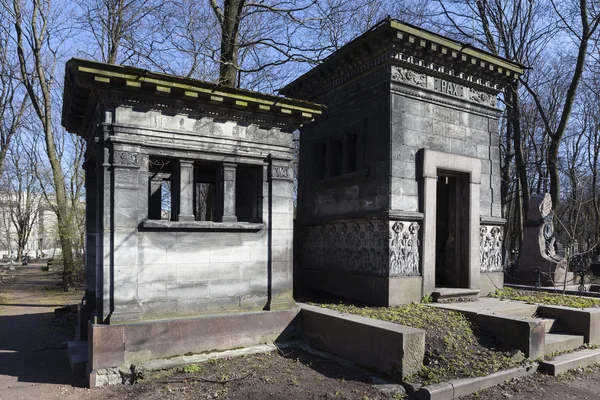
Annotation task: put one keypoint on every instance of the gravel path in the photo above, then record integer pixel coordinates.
(33, 359)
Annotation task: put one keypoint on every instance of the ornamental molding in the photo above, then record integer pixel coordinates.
(354, 246)
(484, 98)
(279, 172)
(126, 159)
(409, 76)
(490, 248)
(399, 60)
(461, 105)
(200, 111)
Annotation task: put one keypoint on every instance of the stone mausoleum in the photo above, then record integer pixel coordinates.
(399, 180)
(189, 212)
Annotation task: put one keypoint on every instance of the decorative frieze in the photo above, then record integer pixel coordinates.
(354, 246)
(404, 248)
(490, 248)
(411, 77)
(484, 98)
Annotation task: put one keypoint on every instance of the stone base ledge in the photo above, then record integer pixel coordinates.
(113, 346)
(457, 388)
(393, 349)
(370, 289)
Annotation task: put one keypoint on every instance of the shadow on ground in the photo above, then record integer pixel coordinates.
(32, 342)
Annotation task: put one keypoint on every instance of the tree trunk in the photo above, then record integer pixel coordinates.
(230, 26)
(514, 116)
(554, 172)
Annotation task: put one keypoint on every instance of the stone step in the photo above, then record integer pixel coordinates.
(561, 341)
(78, 356)
(449, 294)
(577, 359)
(550, 324)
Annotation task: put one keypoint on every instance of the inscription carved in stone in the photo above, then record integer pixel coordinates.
(408, 76)
(447, 87)
(125, 158)
(404, 248)
(483, 98)
(490, 248)
(356, 246)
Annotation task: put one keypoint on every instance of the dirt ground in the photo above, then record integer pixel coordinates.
(578, 384)
(34, 364)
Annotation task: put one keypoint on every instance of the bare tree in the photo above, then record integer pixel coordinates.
(23, 191)
(38, 39)
(122, 30)
(13, 97)
(580, 22)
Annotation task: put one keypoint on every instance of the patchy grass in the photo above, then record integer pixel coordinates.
(454, 346)
(553, 299)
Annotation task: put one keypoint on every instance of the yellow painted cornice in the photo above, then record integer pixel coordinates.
(84, 77)
(457, 47)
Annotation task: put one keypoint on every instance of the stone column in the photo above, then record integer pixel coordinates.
(154, 207)
(86, 310)
(429, 233)
(126, 165)
(281, 229)
(186, 190)
(91, 190)
(229, 192)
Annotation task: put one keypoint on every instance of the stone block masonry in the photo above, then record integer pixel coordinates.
(189, 189)
(407, 149)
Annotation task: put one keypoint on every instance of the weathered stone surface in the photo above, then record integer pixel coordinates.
(430, 106)
(390, 348)
(184, 193)
(539, 246)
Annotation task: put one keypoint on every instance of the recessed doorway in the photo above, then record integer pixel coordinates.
(452, 230)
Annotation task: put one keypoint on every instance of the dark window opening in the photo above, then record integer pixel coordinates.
(338, 157)
(352, 159)
(162, 197)
(205, 192)
(248, 193)
(321, 160)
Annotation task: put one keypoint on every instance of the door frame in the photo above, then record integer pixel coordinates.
(432, 161)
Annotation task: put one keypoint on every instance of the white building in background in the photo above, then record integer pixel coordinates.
(43, 238)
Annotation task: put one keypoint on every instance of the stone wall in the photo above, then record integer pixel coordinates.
(425, 123)
(359, 109)
(159, 269)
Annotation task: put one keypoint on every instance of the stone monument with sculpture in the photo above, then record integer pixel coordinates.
(538, 261)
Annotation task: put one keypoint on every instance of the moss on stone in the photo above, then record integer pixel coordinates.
(454, 346)
(552, 299)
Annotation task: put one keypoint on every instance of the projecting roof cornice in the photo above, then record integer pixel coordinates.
(395, 42)
(83, 78)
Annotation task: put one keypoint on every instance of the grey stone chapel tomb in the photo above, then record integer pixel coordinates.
(189, 193)
(399, 180)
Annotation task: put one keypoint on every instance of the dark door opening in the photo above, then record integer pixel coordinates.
(452, 230)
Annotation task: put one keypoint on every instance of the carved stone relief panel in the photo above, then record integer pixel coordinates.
(400, 74)
(126, 159)
(353, 246)
(490, 248)
(281, 172)
(482, 98)
(404, 248)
